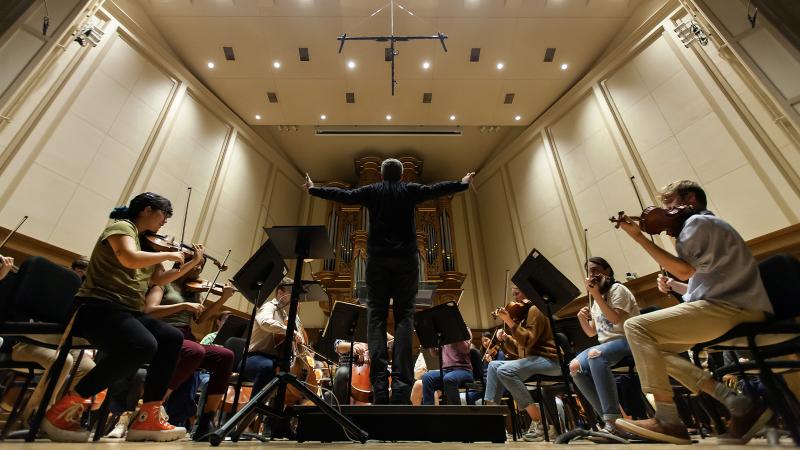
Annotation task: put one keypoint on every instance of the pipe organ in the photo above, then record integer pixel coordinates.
(348, 227)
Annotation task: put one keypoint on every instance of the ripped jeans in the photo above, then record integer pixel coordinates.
(594, 378)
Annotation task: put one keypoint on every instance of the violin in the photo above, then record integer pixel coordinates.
(517, 309)
(201, 285)
(655, 220)
(160, 243)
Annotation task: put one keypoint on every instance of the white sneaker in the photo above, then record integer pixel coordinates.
(535, 433)
(121, 428)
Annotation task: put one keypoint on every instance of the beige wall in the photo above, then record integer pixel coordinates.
(656, 111)
(98, 125)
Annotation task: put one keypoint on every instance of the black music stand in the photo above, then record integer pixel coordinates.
(348, 322)
(439, 326)
(298, 243)
(548, 288)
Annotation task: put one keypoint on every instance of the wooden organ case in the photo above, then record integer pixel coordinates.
(347, 228)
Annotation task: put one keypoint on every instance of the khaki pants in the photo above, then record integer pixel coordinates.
(45, 357)
(657, 338)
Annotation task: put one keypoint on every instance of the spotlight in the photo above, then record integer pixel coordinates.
(210, 65)
(388, 117)
(517, 118)
(351, 64)
(500, 66)
(323, 117)
(89, 35)
(426, 65)
(564, 66)
(276, 64)
(452, 117)
(258, 116)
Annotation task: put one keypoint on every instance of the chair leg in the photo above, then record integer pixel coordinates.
(514, 425)
(102, 418)
(18, 403)
(51, 379)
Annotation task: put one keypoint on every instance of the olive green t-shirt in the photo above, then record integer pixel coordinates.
(108, 279)
(173, 296)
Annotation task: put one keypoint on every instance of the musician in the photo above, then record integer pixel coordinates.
(341, 379)
(110, 317)
(724, 289)
(211, 337)
(533, 339)
(491, 351)
(612, 304)
(79, 266)
(6, 264)
(269, 330)
(392, 267)
(177, 305)
(457, 368)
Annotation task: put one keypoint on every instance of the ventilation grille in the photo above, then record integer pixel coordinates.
(427, 97)
(334, 130)
(228, 53)
(303, 54)
(273, 97)
(549, 54)
(509, 99)
(475, 55)
(350, 97)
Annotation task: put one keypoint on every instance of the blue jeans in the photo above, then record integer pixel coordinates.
(511, 375)
(453, 379)
(595, 380)
(260, 369)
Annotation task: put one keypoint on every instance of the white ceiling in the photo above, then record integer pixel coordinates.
(514, 32)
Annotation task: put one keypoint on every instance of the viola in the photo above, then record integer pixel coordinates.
(517, 309)
(201, 285)
(160, 243)
(655, 220)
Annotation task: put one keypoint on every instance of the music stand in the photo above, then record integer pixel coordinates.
(234, 326)
(547, 288)
(298, 243)
(348, 322)
(440, 326)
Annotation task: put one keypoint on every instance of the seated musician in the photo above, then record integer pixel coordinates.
(269, 331)
(176, 304)
(536, 350)
(457, 369)
(341, 379)
(491, 351)
(220, 320)
(420, 368)
(110, 317)
(612, 304)
(724, 289)
(79, 266)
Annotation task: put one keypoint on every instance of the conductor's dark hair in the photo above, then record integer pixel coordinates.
(391, 169)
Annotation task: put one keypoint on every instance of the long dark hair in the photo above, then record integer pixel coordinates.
(139, 203)
(607, 267)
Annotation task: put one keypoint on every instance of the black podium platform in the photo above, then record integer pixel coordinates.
(447, 423)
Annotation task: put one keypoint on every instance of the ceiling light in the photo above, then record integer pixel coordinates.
(564, 66)
(517, 117)
(500, 66)
(210, 65)
(323, 117)
(258, 116)
(452, 117)
(388, 117)
(351, 64)
(426, 65)
(276, 64)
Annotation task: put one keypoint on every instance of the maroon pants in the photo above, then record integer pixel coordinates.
(218, 361)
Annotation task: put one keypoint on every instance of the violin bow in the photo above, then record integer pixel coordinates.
(24, 218)
(586, 262)
(216, 277)
(186, 213)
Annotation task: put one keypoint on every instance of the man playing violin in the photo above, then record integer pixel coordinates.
(179, 304)
(533, 339)
(724, 289)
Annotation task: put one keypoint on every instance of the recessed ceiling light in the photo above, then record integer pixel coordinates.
(210, 65)
(426, 65)
(323, 117)
(276, 64)
(517, 117)
(351, 64)
(452, 117)
(564, 66)
(258, 116)
(500, 66)
(388, 117)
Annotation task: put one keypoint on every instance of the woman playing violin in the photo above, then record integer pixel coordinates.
(178, 304)
(111, 318)
(612, 303)
(533, 339)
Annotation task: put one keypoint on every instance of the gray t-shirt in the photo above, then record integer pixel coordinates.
(617, 297)
(725, 268)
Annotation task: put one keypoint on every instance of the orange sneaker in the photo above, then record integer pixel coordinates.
(151, 424)
(62, 422)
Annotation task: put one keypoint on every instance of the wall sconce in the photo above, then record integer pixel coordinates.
(89, 35)
(689, 32)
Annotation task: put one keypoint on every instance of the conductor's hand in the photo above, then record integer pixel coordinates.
(308, 183)
(468, 178)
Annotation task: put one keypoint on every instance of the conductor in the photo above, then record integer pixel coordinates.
(392, 268)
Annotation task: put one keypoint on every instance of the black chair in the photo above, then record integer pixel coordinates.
(40, 301)
(775, 337)
(477, 373)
